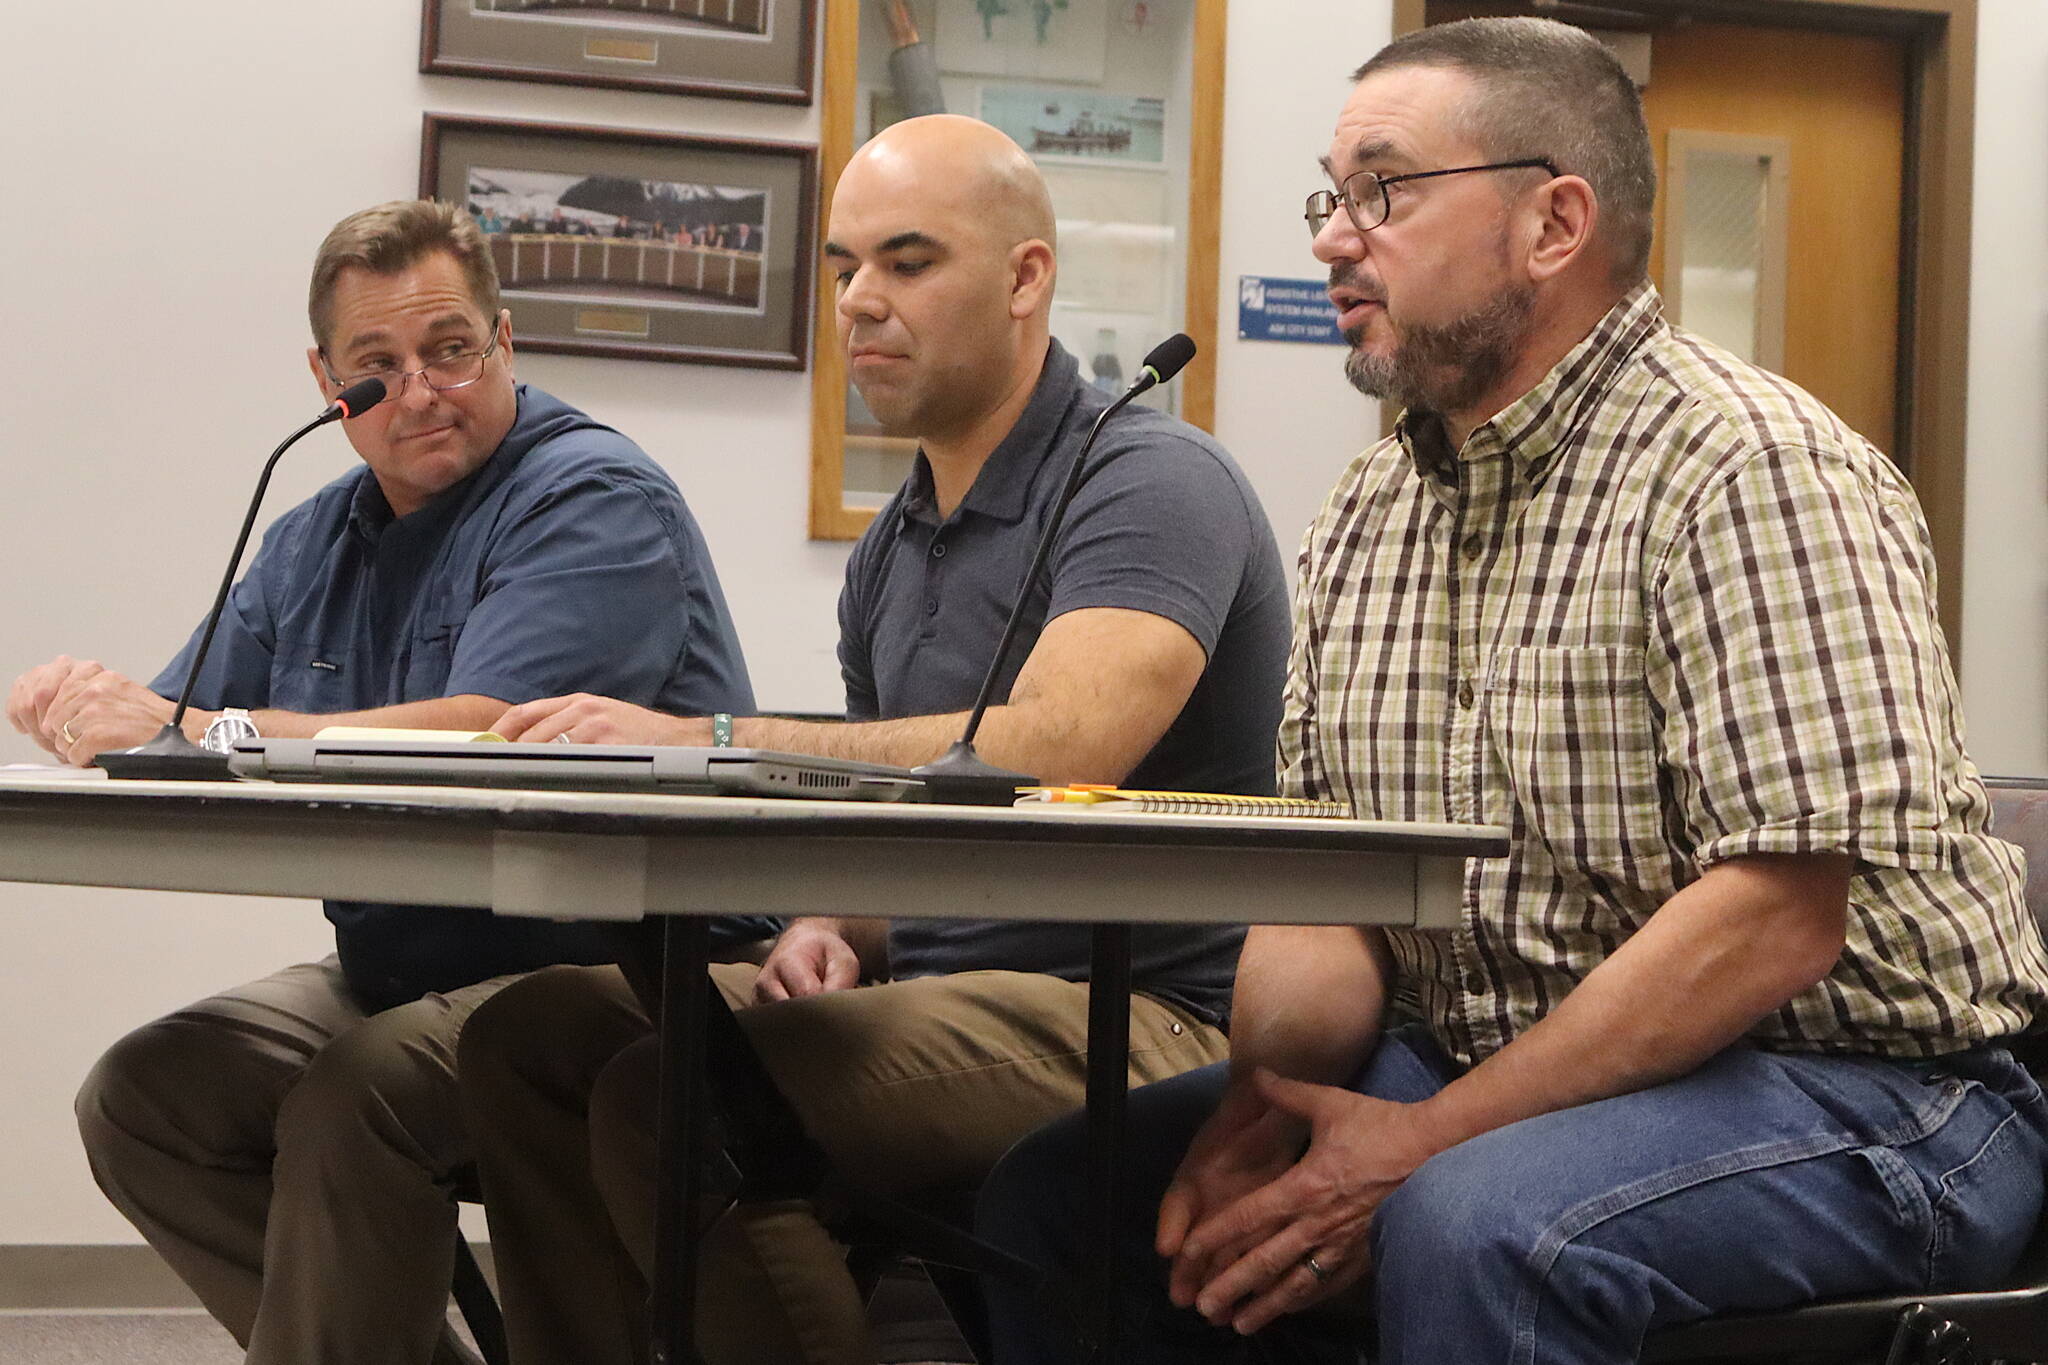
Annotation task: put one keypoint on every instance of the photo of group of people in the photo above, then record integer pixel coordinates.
(655, 240)
(739, 16)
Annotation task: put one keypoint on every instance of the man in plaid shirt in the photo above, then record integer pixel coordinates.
(1724, 1029)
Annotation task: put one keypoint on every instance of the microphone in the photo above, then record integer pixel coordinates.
(169, 755)
(960, 776)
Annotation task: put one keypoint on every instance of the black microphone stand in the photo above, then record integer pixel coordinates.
(960, 776)
(169, 755)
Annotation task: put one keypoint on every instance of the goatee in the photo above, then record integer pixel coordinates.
(1446, 368)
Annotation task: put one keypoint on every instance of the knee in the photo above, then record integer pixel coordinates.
(390, 1076)
(1458, 1219)
(125, 1094)
(1032, 1196)
(528, 1029)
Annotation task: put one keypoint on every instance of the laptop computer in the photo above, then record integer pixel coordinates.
(578, 767)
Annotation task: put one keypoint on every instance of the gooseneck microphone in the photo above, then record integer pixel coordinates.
(169, 754)
(960, 777)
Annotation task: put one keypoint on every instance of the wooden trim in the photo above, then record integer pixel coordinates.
(1934, 317)
(831, 518)
(1205, 209)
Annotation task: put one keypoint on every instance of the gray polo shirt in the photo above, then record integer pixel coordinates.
(1164, 522)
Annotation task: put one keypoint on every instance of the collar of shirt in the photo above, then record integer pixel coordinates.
(1533, 429)
(1003, 487)
(369, 513)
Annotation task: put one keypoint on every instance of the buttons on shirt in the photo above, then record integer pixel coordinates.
(1474, 545)
(931, 606)
(1465, 695)
(938, 549)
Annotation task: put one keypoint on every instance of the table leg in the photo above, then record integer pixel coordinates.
(679, 1138)
(1109, 1053)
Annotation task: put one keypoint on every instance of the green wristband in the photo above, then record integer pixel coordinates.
(721, 731)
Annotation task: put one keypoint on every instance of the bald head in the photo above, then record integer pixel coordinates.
(940, 246)
(962, 167)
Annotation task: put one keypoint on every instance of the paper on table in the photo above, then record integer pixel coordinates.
(55, 772)
(430, 736)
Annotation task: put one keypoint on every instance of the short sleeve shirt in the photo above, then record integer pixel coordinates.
(568, 563)
(1663, 611)
(1164, 522)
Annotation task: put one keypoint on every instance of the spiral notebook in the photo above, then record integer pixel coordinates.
(1083, 796)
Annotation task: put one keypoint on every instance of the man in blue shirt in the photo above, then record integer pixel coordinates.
(288, 1145)
(1152, 651)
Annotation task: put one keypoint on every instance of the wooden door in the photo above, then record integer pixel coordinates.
(1836, 104)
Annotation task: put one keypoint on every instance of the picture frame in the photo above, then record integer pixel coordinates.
(636, 244)
(1120, 103)
(727, 49)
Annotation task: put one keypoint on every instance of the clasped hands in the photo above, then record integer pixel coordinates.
(76, 708)
(1248, 1207)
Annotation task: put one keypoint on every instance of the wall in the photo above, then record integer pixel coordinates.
(167, 173)
(2005, 557)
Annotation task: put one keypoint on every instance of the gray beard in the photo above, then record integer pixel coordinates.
(1446, 368)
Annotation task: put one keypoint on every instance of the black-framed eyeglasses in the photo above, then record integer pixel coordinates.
(1364, 195)
(457, 371)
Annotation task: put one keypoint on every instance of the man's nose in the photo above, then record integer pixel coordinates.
(1338, 239)
(860, 299)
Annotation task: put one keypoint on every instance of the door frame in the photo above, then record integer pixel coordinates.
(1934, 220)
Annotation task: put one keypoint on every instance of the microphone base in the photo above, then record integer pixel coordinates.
(960, 778)
(169, 757)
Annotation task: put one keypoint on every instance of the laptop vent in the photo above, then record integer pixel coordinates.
(831, 780)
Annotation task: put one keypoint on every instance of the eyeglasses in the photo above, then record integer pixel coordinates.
(1364, 195)
(456, 371)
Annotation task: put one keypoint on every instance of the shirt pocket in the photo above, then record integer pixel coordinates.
(1573, 731)
(430, 659)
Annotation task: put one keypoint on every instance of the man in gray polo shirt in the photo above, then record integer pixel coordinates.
(1153, 655)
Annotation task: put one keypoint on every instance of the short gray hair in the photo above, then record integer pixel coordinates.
(1549, 90)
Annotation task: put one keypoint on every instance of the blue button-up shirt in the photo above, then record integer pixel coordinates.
(568, 563)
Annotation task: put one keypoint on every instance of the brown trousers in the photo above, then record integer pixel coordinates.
(291, 1159)
(914, 1085)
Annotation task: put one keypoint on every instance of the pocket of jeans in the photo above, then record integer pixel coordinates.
(1987, 1205)
(1573, 731)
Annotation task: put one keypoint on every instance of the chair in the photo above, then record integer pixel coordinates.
(2007, 1321)
(472, 1291)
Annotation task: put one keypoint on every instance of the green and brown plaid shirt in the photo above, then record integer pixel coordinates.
(1663, 611)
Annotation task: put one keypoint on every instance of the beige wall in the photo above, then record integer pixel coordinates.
(150, 359)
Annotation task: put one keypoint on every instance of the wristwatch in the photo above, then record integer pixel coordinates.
(228, 729)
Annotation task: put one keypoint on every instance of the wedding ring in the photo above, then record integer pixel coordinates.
(69, 738)
(1316, 1268)
(562, 738)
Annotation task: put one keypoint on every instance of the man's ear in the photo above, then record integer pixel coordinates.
(1032, 269)
(319, 368)
(1567, 214)
(505, 334)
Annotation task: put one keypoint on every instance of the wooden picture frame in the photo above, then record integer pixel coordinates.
(833, 514)
(727, 49)
(635, 244)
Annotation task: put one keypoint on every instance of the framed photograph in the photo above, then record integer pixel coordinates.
(638, 245)
(1120, 105)
(732, 49)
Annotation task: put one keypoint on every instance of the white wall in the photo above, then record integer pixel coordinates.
(166, 173)
(2005, 559)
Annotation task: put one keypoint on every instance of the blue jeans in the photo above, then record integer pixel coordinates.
(1759, 1181)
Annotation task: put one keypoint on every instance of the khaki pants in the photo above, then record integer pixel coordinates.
(291, 1159)
(915, 1085)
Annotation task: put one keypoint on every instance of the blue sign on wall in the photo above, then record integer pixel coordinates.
(1286, 310)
